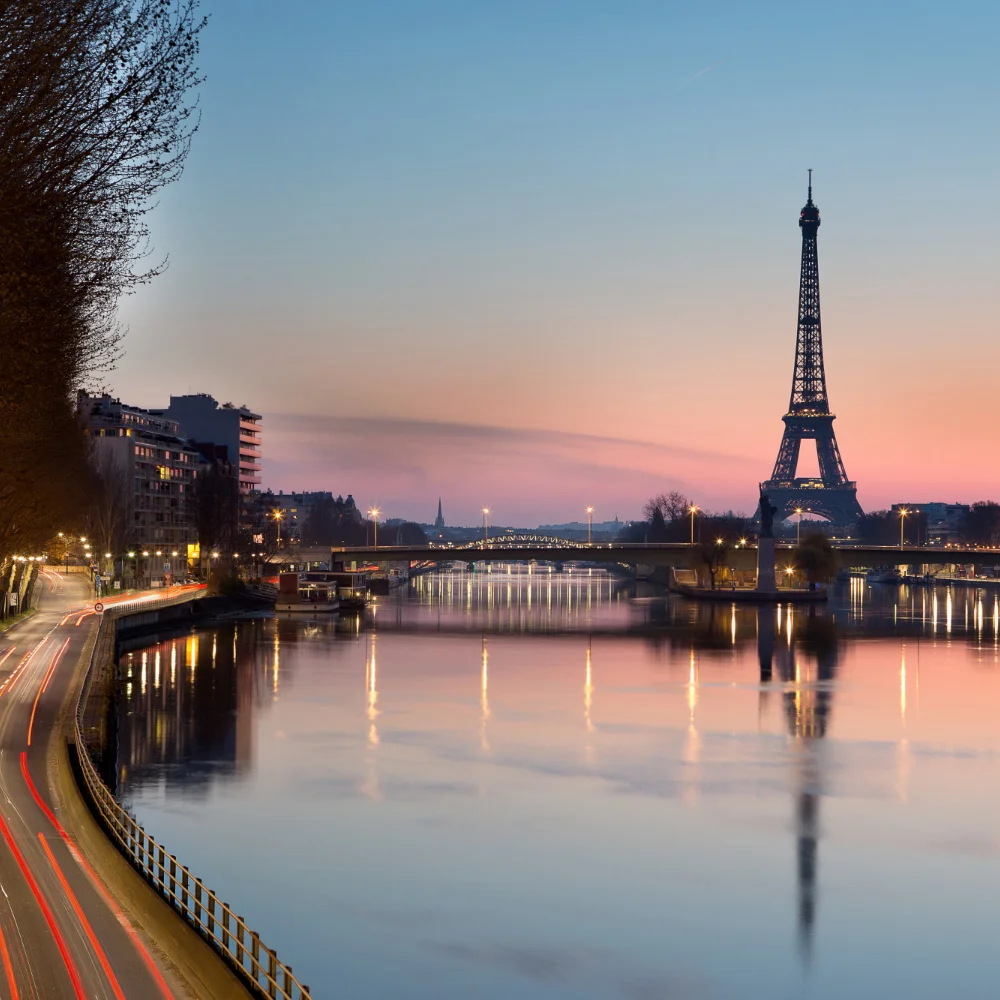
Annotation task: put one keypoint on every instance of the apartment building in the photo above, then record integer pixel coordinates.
(236, 428)
(157, 472)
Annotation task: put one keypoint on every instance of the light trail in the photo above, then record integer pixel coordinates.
(95, 881)
(44, 685)
(74, 975)
(85, 923)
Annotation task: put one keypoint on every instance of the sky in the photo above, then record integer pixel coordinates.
(539, 256)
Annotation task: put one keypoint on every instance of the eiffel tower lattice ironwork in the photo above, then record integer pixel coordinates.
(832, 495)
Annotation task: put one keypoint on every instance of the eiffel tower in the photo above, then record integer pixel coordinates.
(832, 495)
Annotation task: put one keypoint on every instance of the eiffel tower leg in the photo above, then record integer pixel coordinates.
(788, 455)
(831, 465)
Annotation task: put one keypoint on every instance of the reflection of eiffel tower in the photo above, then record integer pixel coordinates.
(807, 707)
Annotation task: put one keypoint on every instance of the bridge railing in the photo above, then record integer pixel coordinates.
(215, 920)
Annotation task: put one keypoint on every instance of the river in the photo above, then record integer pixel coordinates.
(540, 785)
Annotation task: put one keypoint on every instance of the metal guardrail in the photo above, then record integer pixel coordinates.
(225, 930)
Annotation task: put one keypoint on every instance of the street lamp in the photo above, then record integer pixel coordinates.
(798, 527)
(902, 514)
(374, 513)
(486, 525)
(692, 508)
(590, 518)
(278, 514)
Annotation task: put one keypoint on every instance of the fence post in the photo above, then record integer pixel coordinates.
(272, 973)
(255, 955)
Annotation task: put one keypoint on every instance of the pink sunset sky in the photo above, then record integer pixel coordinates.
(535, 266)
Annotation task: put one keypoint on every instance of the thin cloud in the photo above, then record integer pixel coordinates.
(702, 72)
(528, 476)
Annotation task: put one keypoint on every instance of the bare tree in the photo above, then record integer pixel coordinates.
(110, 509)
(673, 506)
(96, 116)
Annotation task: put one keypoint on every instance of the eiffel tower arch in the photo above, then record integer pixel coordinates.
(832, 495)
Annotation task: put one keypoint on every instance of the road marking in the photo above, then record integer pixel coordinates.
(6, 656)
(25, 660)
(78, 910)
(96, 882)
(46, 912)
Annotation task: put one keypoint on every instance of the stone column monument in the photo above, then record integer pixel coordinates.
(765, 546)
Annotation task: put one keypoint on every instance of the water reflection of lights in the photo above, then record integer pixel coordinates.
(516, 589)
(275, 662)
(371, 688)
(948, 609)
(692, 742)
(902, 682)
(484, 697)
(588, 691)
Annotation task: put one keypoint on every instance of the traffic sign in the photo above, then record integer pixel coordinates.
(98, 607)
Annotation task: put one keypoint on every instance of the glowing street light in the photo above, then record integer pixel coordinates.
(693, 508)
(278, 514)
(902, 515)
(373, 514)
(590, 518)
(486, 525)
(798, 527)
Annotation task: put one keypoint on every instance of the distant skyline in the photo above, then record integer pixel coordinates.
(543, 256)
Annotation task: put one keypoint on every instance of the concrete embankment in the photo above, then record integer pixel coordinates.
(191, 967)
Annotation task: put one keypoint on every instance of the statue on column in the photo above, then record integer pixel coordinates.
(767, 512)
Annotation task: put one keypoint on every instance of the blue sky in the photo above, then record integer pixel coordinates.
(580, 219)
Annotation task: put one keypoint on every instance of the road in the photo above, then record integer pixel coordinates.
(61, 932)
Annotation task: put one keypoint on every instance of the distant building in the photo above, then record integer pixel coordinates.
(155, 471)
(439, 520)
(944, 520)
(296, 510)
(236, 428)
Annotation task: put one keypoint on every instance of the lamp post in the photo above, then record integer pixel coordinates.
(135, 568)
(902, 514)
(590, 518)
(374, 513)
(798, 527)
(692, 508)
(486, 525)
(278, 514)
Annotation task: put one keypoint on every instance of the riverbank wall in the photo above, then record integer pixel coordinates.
(184, 901)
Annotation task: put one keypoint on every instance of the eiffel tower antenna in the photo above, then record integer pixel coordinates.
(832, 495)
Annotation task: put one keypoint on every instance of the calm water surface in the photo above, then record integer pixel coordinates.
(538, 785)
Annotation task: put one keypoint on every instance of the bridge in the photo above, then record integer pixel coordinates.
(682, 555)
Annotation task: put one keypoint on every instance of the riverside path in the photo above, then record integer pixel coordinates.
(62, 933)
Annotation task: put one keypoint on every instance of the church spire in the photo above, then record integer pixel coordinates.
(439, 520)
